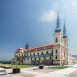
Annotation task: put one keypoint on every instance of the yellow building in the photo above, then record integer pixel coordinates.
(55, 53)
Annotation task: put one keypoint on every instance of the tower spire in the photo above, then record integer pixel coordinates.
(58, 24)
(27, 46)
(64, 31)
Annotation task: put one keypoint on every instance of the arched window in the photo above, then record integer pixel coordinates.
(56, 40)
(56, 51)
(50, 57)
(22, 54)
(52, 51)
(30, 54)
(44, 58)
(55, 57)
(42, 53)
(34, 54)
(47, 52)
(38, 53)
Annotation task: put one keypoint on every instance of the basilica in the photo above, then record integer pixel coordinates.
(55, 53)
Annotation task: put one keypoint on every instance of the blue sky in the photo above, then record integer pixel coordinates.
(34, 22)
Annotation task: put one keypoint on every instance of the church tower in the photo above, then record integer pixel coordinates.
(65, 36)
(57, 36)
(58, 25)
(27, 46)
(65, 41)
(60, 47)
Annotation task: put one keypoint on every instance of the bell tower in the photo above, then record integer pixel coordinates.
(65, 36)
(65, 44)
(27, 46)
(57, 36)
(58, 25)
(58, 44)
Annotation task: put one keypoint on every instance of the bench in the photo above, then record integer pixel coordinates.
(3, 71)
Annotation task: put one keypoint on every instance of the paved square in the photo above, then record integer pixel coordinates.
(30, 72)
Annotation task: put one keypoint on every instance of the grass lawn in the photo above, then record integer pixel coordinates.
(19, 66)
(59, 67)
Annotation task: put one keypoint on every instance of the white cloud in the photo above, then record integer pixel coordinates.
(69, 4)
(48, 16)
(73, 4)
(65, 5)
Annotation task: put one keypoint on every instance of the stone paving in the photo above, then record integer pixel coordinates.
(18, 75)
(10, 74)
(33, 72)
(57, 73)
(74, 74)
(36, 69)
(39, 74)
(63, 72)
(29, 72)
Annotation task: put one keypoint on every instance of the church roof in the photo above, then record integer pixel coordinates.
(58, 29)
(20, 50)
(43, 47)
(64, 31)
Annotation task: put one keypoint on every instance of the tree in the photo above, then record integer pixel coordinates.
(17, 59)
(22, 57)
(41, 60)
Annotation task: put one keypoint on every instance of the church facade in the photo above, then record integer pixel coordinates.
(55, 53)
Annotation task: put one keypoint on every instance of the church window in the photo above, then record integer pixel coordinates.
(22, 54)
(55, 57)
(34, 54)
(56, 51)
(27, 55)
(42, 53)
(50, 57)
(52, 51)
(38, 53)
(56, 40)
(46, 52)
(44, 58)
